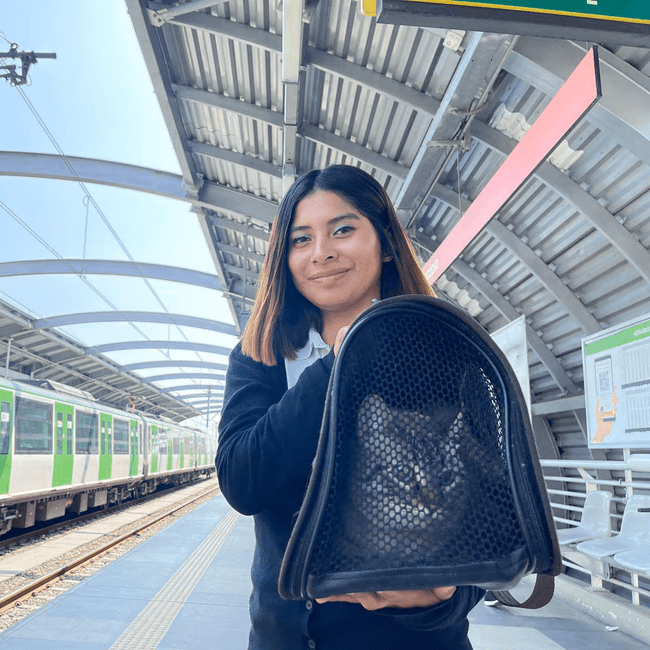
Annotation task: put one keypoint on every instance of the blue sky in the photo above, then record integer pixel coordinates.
(97, 101)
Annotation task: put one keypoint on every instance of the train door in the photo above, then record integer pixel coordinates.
(6, 399)
(170, 448)
(63, 455)
(154, 448)
(105, 446)
(135, 448)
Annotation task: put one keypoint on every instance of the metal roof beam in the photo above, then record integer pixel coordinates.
(619, 236)
(160, 14)
(135, 316)
(187, 375)
(109, 267)
(537, 266)
(162, 345)
(315, 57)
(510, 313)
(180, 363)
(237, 226)
(544, 354)
(471, 82)
(131, 177)
(156, 57)
(622, 110)
(216, 389)
(229, 156)
(203, 405)
(186, 398)
(87, 381)
(232, 30)
(229, 104)
(373, 80)
(354, 150)
(292, 55)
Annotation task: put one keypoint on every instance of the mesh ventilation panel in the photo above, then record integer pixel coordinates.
(420, 472)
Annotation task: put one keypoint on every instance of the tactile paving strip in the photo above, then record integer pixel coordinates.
(149, 627)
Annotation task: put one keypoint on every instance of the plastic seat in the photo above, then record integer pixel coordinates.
(637, 561)
(595, 522)
(635, 531)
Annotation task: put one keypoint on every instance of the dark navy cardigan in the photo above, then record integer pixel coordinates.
(267, 440)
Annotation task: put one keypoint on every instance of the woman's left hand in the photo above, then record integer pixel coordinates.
(379, 599)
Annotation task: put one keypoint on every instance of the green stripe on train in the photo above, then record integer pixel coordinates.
(6, 419)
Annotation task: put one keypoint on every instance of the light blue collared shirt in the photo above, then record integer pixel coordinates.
(314, 349)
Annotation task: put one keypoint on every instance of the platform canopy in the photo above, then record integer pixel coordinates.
(255, 93)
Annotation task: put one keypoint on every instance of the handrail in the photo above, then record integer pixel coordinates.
(604, 575)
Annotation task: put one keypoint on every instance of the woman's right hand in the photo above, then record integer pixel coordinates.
(339, 339)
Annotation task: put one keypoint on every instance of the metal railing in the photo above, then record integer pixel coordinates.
(568, 482)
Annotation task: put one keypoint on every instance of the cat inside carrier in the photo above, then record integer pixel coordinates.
(426, 473)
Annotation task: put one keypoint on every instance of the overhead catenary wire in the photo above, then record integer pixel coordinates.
(90, 200)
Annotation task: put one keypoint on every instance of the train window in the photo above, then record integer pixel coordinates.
(5, 431)
(33, 427)
(69, 438)
(162, 441)
(86, 438)
(121, 437)
(176, 448)
(59, 433)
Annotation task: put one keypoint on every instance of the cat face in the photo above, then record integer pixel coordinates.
(406, 472)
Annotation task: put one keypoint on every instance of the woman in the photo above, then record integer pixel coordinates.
(335, 246)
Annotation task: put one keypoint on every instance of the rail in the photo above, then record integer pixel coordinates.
(567, 483)
(41, 583)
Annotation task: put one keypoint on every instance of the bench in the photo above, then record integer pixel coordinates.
(595, 521)
(636, 561)
(635, 532)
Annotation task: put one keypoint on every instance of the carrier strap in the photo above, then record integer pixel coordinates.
(542, 594)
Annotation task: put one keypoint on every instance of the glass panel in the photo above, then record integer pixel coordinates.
(5, 431)
(69, 439)
(59, 432)
(33, 427)
(86, 439)
(162, 441)
(121, 437)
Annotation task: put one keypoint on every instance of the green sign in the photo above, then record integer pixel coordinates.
(625, 22)
(636, 11)
(628, 335)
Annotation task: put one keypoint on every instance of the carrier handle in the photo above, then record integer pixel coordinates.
(542, 594)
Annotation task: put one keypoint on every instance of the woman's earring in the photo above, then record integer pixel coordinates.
(386, 258)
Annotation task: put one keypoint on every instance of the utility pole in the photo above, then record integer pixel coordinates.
(26, 59)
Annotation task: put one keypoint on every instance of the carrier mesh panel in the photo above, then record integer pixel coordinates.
(420, 474)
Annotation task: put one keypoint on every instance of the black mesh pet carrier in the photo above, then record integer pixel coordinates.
(426, 473)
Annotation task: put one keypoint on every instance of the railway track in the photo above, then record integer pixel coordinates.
(11, 539)
(41, 582)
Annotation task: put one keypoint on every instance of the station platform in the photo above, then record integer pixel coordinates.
(188, 586)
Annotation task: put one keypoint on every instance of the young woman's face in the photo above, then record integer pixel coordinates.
(335, 256)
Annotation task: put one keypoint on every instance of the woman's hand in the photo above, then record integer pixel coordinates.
(339, 339)
(379, 599)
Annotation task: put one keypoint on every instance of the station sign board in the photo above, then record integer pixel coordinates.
(616, 365)
(625, 22)
(576, 96)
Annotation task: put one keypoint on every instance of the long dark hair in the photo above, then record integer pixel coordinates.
(281, 318)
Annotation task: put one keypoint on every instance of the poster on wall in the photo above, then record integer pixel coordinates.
(616, 365)
(511, 339)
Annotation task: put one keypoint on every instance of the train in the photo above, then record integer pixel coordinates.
(63, 452)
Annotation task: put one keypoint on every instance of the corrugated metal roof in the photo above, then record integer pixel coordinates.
(568, 251)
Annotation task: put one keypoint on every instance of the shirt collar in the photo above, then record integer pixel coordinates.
(314, 341)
